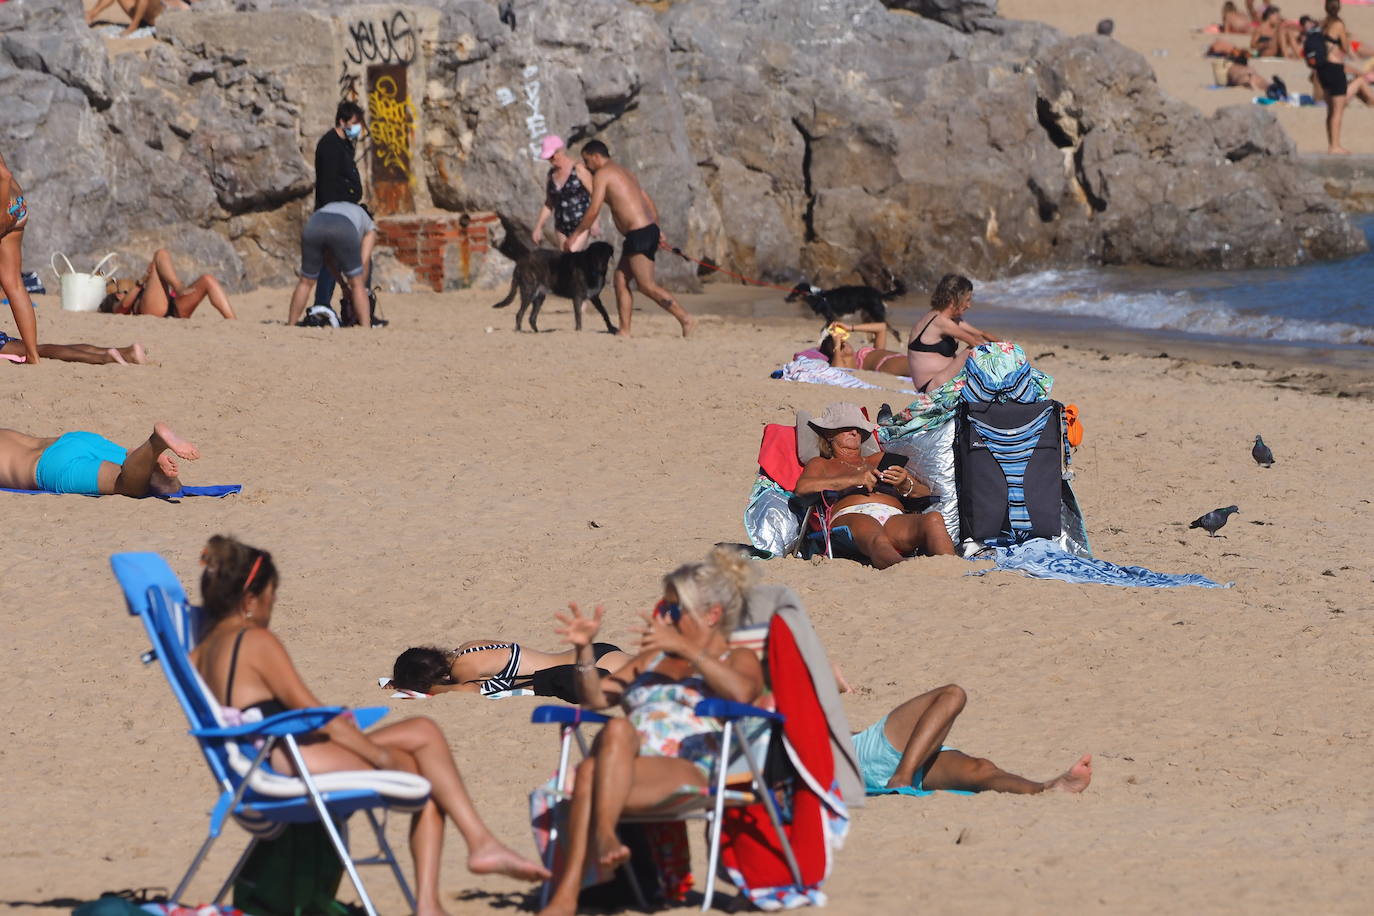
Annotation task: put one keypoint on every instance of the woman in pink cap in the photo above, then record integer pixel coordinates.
(566, 195)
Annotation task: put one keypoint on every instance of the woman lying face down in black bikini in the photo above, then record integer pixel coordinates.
(487, 666)
(933, 354)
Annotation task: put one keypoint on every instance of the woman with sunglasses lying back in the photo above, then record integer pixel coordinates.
(247, 668)
(490, 666)
(639, 761)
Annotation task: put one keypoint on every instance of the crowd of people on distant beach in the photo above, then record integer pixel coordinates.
(1339, 67)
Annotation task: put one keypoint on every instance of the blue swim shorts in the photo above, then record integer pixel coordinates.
(878, 760)
(72, 463)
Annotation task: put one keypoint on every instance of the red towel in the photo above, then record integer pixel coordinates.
(749, 844)
(778, 455)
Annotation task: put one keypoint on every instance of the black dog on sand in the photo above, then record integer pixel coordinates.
(576, 275)
(848, 301)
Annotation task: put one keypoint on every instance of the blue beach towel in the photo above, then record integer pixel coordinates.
(218, 492)
(1043, 559)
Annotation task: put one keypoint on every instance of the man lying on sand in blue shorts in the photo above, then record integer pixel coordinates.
(93, 465)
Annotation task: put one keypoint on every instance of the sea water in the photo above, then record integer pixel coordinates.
(1328, 304)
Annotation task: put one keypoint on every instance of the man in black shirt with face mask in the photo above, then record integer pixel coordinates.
(336, 174)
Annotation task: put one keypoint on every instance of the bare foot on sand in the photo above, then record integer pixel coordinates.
(429, 908)
(559, 907)
(494, 858)
(1338, 151)
(116, 356)
(1077, 777)
(164, 481)
(610, 852)
(135, 353)
(178, 445)
(689, 326)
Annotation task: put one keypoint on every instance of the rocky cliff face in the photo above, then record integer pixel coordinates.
(836, 138)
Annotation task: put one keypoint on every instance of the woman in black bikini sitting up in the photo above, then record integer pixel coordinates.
(488, 667)
(933, 354)
(246, 666)
(876, 358)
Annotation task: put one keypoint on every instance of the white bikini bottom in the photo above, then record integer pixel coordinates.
(880, 511)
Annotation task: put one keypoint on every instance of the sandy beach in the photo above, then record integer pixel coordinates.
(448, 479)
(1169, 34)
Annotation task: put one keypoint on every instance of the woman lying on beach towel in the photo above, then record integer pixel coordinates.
(161, 294)
(903, 753)
(933, 352)
(247, 668)
(489, 666)
(640, 761)
(835, 347)
(80, 462)
(870, 500)
(13, 349)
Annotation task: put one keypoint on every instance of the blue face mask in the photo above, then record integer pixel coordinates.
(353, 131)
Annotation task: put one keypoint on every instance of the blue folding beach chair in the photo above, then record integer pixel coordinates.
(262, 801)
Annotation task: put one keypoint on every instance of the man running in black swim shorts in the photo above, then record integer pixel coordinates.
(637, 219)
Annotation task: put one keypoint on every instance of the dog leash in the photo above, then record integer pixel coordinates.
(729, 273)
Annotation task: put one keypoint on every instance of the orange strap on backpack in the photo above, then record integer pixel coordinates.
(1073, 430)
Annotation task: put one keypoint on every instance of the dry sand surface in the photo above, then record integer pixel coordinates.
(1168, 33)
(441, 480)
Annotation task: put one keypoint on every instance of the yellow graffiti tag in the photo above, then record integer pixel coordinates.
(392, 124)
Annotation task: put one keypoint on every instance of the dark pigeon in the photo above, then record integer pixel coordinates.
(1213, 521)
(1261, 453)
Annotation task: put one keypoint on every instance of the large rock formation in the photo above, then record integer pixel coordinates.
(839, 138)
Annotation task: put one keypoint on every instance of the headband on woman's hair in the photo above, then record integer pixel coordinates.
(257, 564)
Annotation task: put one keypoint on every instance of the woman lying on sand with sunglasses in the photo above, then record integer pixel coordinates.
(489, 666)
(246, 666)
(876, 358)
(638, 762)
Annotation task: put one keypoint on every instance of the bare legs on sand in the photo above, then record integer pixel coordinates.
(889, 544)
(84, 353)
(11, 257)
(639, 268)
(920, 725)
(613, 781)
(162, 276)
(419, 746)
(149, 470)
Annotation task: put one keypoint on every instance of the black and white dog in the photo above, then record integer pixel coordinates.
(844, 302)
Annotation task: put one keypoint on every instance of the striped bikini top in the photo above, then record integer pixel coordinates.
(506, 678)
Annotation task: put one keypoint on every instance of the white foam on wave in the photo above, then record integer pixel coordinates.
(1080, 292)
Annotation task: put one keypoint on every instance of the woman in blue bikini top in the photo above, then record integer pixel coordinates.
(641, 761)
(12, 291)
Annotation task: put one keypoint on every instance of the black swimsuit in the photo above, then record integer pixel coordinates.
(1332, 75)
(268, 708)
(947, 346)
(570, 202)
(643, 240)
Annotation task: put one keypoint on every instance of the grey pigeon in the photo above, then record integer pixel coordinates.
(1261, 453)
(1213, 521)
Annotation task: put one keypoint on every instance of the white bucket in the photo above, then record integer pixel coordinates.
(82, 292)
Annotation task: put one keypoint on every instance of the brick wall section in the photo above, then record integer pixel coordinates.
(420, 243)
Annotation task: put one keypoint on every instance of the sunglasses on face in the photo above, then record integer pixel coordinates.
(669, 609)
